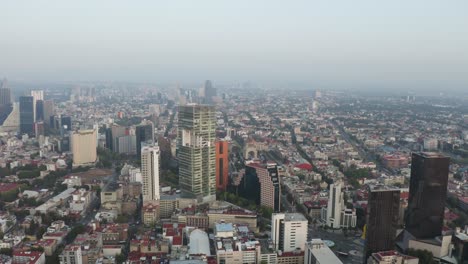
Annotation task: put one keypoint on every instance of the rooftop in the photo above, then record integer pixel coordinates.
(294, 217)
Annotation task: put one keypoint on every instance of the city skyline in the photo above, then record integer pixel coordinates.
(330, 45)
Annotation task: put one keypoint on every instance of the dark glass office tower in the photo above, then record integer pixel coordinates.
(39, 110)
(144, 133)
(66, 121)
(26, 115)
(382, 219)
(428, 192)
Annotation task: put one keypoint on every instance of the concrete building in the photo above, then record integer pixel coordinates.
(317, 252)
(71, 254)
(38, 95)
(150, 213)
(49, 109)
(199, 243)
(144, 134)
(222, 164)
(197, 152)
(289, 231)
(239, 216)
(28, 257)
(391, 256)
(126, 144)
(84, 147)
(150, 165)
(336, 215)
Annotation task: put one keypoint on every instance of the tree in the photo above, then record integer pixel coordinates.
(40, 232)
(6, 251)
(122, 219)
(120, 258)
(79, 229)
(425, 257)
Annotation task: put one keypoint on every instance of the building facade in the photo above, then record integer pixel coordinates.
(382, 219)
(26, 114)
(84, 144)
(197, 152)
(150, 165)
(427, 194)
(144, 134)
(261, 183)
(289, 231)
(222, 164)
(317, 252)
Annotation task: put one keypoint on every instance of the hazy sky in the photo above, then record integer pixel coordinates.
(404, 43)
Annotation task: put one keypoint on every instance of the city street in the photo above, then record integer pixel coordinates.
(342, 243)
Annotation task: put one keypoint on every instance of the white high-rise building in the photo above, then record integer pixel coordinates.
(289, 231)
(336, 215)
(318, 252)
(37, 95)
(335, 204)
(150, 164)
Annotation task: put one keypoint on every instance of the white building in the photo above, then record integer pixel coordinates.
(150, 158)
(84, 147)
(80, 201)
(37, 95)
(289, 231)
(199, 243)
(135, 175)
(336, 215)
(71, 254)
(318, 252)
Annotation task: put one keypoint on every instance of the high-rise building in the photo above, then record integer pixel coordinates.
(289, 231)
(427, 195)
(48, 111)
(208, 92)
(26, 114)
(6, 106)
(39, 110)
(336, 215)
(261, 183)
(144, 135)
(335, 204)
(222, 164)
(84, 147)
(5, 93)
(125, 144)
(382, 219)
(150, 164)
(38, 95)
(66, 123)
(317, 252)
(196, 152)
(39, 129)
